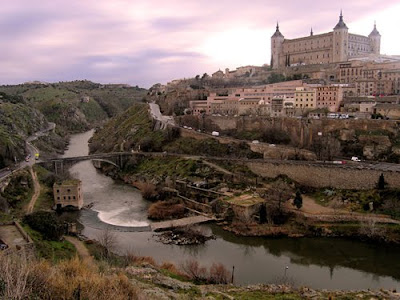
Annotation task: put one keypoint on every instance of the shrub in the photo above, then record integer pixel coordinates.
(148, 190)
(163, 210)
(219, 274)
(194, 271)
(46, 223)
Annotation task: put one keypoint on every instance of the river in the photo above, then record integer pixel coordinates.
(316, 262)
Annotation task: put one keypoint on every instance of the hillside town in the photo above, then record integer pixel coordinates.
(279, 181)
(332, 82)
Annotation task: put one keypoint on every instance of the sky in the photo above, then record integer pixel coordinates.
(143, 42)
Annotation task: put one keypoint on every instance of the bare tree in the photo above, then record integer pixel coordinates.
(108, 240)
(276, 196)
(372, 230)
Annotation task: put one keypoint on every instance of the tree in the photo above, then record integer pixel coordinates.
(46, 223)
(108, 240)
(278, 194)
(381, 182)
(298, 200)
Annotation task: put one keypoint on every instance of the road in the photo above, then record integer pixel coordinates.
(156, 114)
(31, 150)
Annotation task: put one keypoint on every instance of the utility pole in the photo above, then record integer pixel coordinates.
(233, 272)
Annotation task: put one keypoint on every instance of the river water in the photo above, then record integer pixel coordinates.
(316, 262)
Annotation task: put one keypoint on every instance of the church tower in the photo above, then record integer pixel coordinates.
(375, 41)
(276, 48)
(340, 41)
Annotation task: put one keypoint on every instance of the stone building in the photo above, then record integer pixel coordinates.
(68, 194)
(329, 97)
(371, 78)
(305, 99)
(336, 46)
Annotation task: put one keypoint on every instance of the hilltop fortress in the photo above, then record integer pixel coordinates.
(336, 46)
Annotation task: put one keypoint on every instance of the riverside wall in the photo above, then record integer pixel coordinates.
(325, 176)
(301, 131)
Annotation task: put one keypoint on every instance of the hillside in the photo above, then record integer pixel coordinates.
(135, 130)
(78, 105)
(17, 121)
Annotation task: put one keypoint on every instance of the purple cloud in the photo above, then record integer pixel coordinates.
(143, 42)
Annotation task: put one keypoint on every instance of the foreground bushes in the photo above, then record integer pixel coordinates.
(22, 278)
(217, 274)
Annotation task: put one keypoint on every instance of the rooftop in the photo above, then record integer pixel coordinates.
(68, 182)
(245, 200)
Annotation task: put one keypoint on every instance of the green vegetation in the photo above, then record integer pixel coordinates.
(49, 249)
(16, 122)
(134, 130)
(298, 200)
(46, 223)
(269, 135)
(46, 178)
(61, 102)
(385, 201)
(168, 166)
(16, 196)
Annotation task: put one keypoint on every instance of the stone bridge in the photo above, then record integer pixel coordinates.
(310, 173)
(62, 164)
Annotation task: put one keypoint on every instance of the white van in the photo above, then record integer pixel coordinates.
(215, 133)
(355, 158)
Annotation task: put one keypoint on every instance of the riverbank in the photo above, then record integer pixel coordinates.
(318, 263)
(381, 234)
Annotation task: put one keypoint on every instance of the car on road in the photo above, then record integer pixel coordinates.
(355, 158)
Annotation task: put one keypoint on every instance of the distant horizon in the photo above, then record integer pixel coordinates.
(144, 43)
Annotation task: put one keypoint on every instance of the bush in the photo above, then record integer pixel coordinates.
(163, 210)
(46, 223)
(219, 274)
(194, 271)
(148, 190)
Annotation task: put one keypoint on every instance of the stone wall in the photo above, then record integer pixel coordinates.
(326, 175)
(301, 131)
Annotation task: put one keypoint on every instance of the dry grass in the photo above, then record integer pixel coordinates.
(164, 210)
(70, 279)
(148, 189)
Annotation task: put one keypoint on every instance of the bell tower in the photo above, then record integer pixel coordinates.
(375, 40)
(276, 48)
(340, 41)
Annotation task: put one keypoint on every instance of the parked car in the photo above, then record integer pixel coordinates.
(355, 158)
(215, 133)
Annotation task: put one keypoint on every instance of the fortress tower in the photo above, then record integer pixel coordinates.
(340, 41)
(375, 40)
(336, 46)
(277, 40)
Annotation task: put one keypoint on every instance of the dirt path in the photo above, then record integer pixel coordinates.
(36, 191)
(83, 252)
(216, 167)
(312, 209)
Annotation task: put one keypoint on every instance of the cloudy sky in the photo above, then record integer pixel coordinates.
(142, 42)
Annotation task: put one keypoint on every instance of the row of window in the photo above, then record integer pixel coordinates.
(67, 197)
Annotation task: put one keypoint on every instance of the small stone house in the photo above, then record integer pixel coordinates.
(68, 194)
(246, 207)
